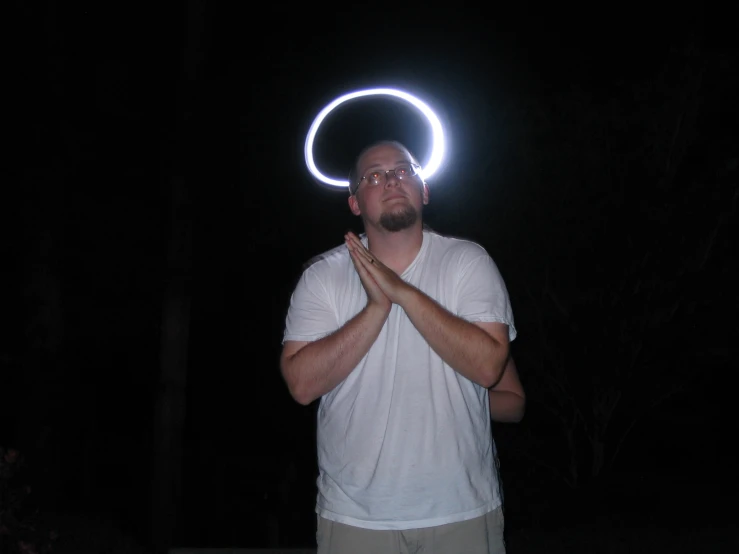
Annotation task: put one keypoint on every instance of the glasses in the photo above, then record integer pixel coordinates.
(379, 177)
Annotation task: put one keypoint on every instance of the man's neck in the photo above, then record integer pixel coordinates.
(396, 250)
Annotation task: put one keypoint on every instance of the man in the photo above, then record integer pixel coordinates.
(400, 333)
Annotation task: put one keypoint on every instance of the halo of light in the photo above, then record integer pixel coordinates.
(437, 150)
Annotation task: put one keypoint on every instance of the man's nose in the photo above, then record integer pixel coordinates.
(391, 179)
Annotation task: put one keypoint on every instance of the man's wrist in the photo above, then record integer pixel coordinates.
(407, 295)
(377, 310)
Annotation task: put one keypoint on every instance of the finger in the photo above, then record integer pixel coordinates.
(353, 243)
(364, 258)
(351, 237)
(368, 264)
(354, 238)
(363, 269)
(368, 256)
(353, 248)
(360, 261)
(364, 252)
(356, 244)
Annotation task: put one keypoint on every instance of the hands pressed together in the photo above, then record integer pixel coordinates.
(383, 286)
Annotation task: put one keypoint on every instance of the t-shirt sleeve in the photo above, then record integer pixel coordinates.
(482, 294)
(310, 315)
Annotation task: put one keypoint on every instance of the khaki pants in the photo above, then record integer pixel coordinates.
(482, 535)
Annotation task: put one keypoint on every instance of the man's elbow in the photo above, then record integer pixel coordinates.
(301, 398)
(489, 380)
(492, 375)
(299, 394)
(296, 387)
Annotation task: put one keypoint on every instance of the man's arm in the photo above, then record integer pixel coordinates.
(311, 369)
(478, 351)
(507, 398)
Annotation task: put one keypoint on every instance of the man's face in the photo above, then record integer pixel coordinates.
(394, 204)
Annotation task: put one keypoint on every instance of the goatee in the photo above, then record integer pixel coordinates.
(399, 220)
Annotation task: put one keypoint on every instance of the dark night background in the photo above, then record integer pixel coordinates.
(157, 213)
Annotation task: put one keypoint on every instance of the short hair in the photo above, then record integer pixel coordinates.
(354, 171)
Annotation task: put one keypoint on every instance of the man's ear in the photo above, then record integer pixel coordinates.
(354, 205)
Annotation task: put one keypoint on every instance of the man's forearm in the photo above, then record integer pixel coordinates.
(320, 366)
(506, 406)
(462, 345)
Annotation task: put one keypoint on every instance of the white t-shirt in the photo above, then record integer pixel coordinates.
(404, 441)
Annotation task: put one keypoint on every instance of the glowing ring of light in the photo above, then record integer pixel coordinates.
(437, 151)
